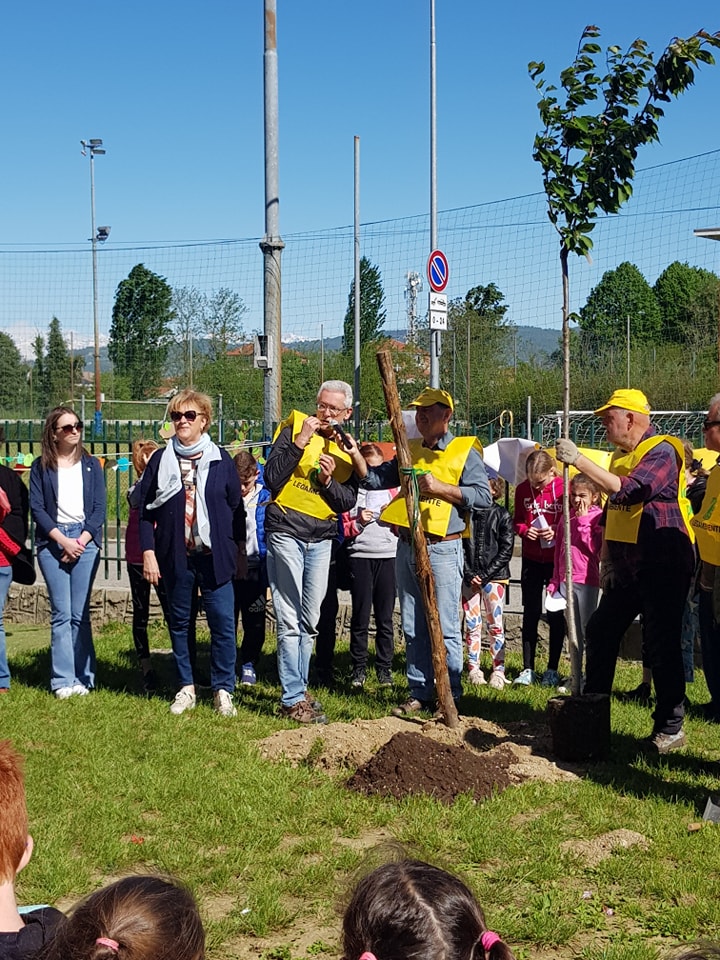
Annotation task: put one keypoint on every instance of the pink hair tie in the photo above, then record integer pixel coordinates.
(367, 956)
(488, 940)
(107, 942)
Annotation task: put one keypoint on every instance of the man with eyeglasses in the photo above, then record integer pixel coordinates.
(312, 481)
(647, 560)
(706, 524)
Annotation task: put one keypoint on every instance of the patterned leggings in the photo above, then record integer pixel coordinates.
(491, 597)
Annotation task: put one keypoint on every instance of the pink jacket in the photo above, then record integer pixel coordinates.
(549, 502)
(585, 543)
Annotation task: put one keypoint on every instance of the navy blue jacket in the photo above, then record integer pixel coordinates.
(44, 494)
(163, 529)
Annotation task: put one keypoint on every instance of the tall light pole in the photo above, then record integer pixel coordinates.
(93, 148)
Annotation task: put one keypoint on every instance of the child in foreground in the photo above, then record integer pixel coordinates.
(410, 910)
(21, 935)
(538, 507)
(585, 545)
(136, 918)
(488, 551)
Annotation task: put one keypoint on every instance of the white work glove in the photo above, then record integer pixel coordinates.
(566, 451)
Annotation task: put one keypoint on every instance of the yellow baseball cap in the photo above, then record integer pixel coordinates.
(634, 400)
(431, 395)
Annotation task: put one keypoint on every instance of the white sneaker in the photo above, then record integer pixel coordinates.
(476, 677)
(79, 690)
(184, 700)
(62, 693)
(223, 704)
(498, 680)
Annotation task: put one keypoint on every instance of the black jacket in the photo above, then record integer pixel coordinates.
(489, 548)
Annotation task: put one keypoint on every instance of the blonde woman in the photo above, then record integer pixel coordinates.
(68, 504)
(191, 520)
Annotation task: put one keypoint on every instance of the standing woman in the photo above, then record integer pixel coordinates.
(191, 520)
(68, 504)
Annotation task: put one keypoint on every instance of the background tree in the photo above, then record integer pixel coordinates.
(689, 302)
(477, 348)
(13, 376)
(141, 329)
(222, 320)
(57, 384)
(623, 292)
(189, 308)
(372, 312)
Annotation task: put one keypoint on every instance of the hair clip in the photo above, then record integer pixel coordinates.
(367, 956)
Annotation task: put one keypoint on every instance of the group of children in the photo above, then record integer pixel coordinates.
(538, 521)
(402, 909)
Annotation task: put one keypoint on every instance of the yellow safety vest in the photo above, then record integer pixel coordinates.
(446, 465)
(302, 492)
(623, 520)
(706, 523)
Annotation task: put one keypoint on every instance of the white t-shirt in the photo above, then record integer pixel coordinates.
(71, 508)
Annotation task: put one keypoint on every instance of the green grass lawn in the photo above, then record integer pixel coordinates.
(116, 784)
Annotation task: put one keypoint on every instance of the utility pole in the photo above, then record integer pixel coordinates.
(271, 244)
(434, 334)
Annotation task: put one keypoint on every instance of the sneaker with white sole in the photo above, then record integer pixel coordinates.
(80, 690)
(525, 678)
(498, 680)
(248, 677)
(476, 676)
(222, 702)
(185, 699)
(64, 693)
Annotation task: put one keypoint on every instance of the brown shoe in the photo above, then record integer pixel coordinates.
(411, 707)
(302, 712)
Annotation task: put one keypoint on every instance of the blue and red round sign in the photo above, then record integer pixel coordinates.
(438, 272)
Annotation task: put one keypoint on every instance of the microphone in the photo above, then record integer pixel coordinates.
(342, 436)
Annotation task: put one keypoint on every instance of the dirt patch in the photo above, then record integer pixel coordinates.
(600, 848)
(410, 763)
(477, 757)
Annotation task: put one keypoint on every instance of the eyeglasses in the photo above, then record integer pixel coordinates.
(68, 428)
(177, 415)
(710, 423)
(326, 408)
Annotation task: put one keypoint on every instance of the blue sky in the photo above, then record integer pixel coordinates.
(175, 91)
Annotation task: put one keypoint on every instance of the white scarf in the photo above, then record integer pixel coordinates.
(169, 482)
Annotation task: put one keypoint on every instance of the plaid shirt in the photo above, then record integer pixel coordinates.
(654, 483)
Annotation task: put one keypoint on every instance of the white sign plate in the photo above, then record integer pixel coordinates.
(438, 311)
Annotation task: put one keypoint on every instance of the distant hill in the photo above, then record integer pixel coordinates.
(531, 342)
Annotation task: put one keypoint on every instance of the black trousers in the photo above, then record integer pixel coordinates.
(140, 593)
(372, 587)
(327, 624)
(658, 592)
(250, 605)
(710, 645)
(534, 577)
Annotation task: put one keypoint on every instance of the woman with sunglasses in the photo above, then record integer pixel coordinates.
(191, 521)
(68, 504)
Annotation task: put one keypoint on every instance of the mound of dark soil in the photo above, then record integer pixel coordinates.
(410, 763)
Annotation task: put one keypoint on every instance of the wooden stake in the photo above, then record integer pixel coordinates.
(423, 568)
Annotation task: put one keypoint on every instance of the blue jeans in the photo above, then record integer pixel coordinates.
(5, 581)
(446, 560)
(219, 605)
(298, 575)
(72, 654)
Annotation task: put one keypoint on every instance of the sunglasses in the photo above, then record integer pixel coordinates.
(710, 423)
(177, 415)
(69, 428)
